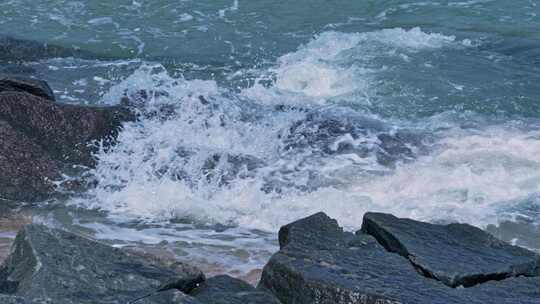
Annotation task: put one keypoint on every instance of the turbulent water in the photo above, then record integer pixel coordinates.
(257, 113)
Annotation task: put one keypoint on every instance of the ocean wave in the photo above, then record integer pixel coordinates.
(270, 154)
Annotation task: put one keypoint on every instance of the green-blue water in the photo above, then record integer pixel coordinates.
(262, 112)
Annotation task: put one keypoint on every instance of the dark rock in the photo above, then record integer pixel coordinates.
(24, 84)
(64, 131)
(4, 299)
(184, 284)
(17, 50)
(456, 254)
(227, 290)
(53, 266)
(27, 170)
(40, 137)
(334, 131)
(522, 290)
(223, 168)
(319, 263)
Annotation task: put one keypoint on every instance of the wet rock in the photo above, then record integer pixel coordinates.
(16, 50)
(395, 147)
(39, 138)
(53, 266)
(11, 221)
(63, 130)
(25, 84)
(456, 254)
(522, 290)
(339, 132)
(224, 289)
(4, 299)
(319, 263)
(169, 261)
(27, 170)
(223, 168)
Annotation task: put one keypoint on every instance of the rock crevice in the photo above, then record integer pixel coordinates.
(455, 254)
(320, 263)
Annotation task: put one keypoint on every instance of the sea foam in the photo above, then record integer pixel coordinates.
(212, 157)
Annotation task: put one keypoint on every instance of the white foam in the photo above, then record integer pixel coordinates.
(156, 169)
(338, 64)
(474, 178)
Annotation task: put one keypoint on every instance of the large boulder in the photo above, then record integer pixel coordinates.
(320, 263)
(224, 289)
(455, 254)
(54, 266)
(39, 138)
(64, 131)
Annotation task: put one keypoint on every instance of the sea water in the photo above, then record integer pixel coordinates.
(253, 114)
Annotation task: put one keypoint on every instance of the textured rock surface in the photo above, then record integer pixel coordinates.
(224, 289)
(5, 299)
(520, 290)
(27, 170)
(39, 137)
(319, 263)
(11, 221)
(54, 266)
(456, 254)
(64, 131)
(25, 84)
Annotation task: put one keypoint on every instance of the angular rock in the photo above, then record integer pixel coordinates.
(456, 254)
(53, 266)
(25, 84)
(63, 130)
(319, 263)
(224, 289)
(39, 138)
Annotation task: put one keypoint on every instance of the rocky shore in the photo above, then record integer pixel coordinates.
(390, 260)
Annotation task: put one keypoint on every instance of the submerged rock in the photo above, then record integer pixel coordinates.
(4, 299)
(320, 263)
(224, 289)
(53, 266)
(39, 138)
(14, 49)
(336, 132)
(455, 254)
(25, 84)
